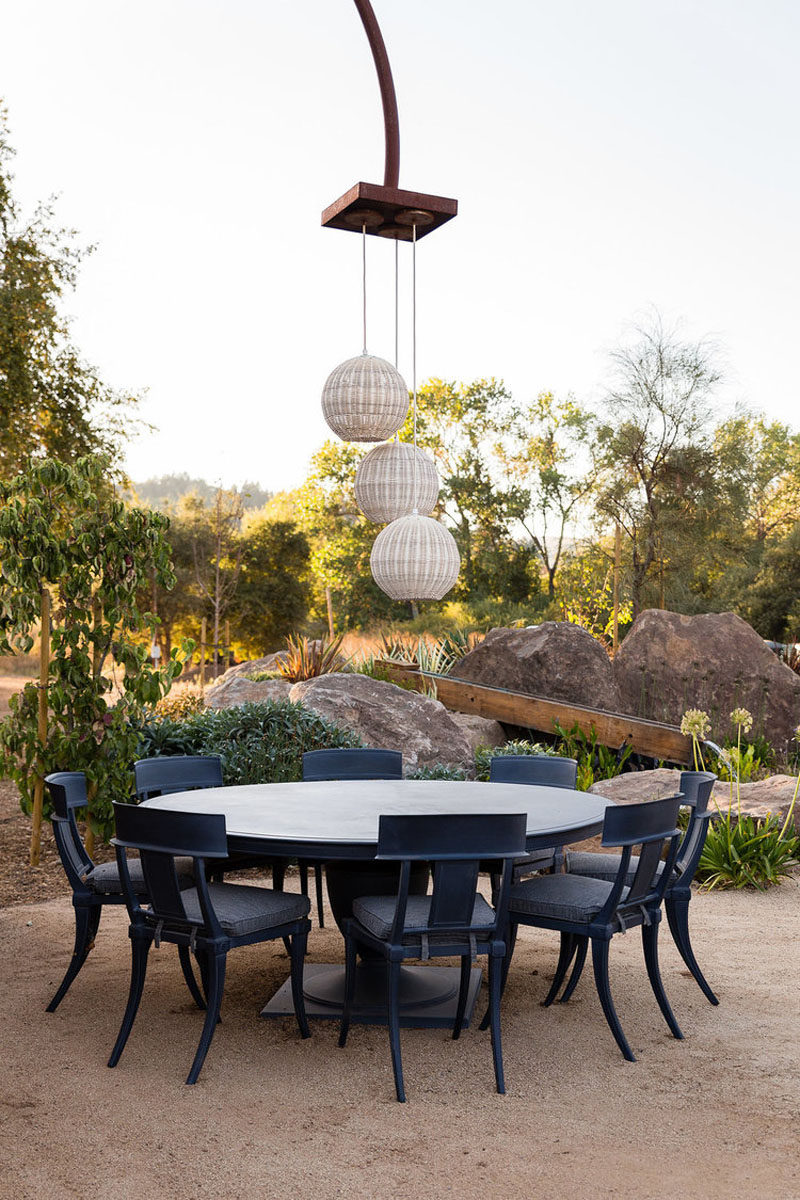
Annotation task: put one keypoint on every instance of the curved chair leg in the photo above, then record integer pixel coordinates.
(85, 930)
(494, 1011)
(600, 964)
(577, 970)
(511, 942)
(678, 918)
(349, 987)
(140, 948)
(320, 895)
(650, 944)
(302, 868)
(569, 945)
(394, 1029)
(216, 984)
(463, 989)
(299, 941)
(188, 975)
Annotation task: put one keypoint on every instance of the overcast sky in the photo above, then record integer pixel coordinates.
(606, 157)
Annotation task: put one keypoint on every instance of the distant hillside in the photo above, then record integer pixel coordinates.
(166, 490)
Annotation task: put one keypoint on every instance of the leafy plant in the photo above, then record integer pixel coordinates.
(438, 771)
(742, 851)
(64, 533)
(595, 761)
(179, 703)
(258, 743)
(304, 659)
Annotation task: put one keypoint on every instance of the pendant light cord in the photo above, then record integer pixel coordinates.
(364, 282)
(414, 353)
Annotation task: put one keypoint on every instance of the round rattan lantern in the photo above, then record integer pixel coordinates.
(396, 479)
(365, 399)
(415, 558)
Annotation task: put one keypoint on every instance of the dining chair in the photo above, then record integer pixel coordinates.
(94, 885)
(359, 763)
(209, 919)
(547, 770)
(696, 787)
(454, 920)
(587, 910)
(167, 774)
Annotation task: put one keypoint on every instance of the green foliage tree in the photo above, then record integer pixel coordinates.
(658, 476)
(60, 531)
(214, 536)
(272, 597)
(52, 403)
(772, 603)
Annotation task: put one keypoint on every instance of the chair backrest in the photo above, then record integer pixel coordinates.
(68, 792)
(696, 787)
(160, 836)
(544, 769)
(455, 844)
(319, 765)
(176, 773)
(651, 826)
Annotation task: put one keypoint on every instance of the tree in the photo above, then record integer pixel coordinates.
(62, 535)
(214, 538)
(656, 456)
(465, 426)
(51, 402)
(272, 597)
(772, 603)
(550, 459)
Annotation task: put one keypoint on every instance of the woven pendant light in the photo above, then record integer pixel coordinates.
(415, 558)
(365, 399)
(396, 479)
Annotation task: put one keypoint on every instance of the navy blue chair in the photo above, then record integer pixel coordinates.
(93, 885)
(168, 774)
(696, 787)
(454, 920)
(584, 909)
(548, 770)
(344, 764)
(209, 919)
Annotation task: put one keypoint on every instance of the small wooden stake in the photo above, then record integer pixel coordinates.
(329, 603)
(202, 658)
(227, 643)
(38, 787)
(617, 558)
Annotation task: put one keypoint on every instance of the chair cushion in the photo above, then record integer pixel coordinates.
(104, 878)
(243, 909)
(376, 913)
(574, 898)
(603, 866)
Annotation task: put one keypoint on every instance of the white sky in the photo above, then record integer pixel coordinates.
(606, 156)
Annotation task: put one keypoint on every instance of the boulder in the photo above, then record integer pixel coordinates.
(716, 662)
(232, 690)
(557, 660)
(479, 731)
(758, 799)
(387, 717)
(253, 667)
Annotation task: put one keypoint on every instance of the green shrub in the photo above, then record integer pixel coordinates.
(438, 771)
(742, 851)
(595, 761)
(258, 743)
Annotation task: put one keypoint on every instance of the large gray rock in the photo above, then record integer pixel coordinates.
(479, 731)
(758, 799)
(386, 716)
(231, 691)
(557, 660)
(253, 667)
(716, 662)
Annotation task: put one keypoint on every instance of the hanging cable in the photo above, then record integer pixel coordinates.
(414, 353)
(396, 303)
(364, 281)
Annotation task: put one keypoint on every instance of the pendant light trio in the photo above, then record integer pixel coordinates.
(365, 399)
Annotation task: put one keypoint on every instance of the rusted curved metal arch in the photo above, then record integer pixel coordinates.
(391, 119)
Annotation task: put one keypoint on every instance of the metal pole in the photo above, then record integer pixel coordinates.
(391, 120)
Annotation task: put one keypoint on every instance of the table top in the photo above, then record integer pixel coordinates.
(339, 818)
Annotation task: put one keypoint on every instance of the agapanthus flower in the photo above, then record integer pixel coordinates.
(695, 723)
(741, 717)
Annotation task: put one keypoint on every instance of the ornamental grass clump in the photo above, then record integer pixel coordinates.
(740, 850)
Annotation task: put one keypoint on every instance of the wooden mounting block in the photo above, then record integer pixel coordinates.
(388, 212)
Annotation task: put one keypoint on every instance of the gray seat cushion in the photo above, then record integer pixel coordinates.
(104, 878)
(376, 913)
(602, 866)
(243, 909)
(575, 898)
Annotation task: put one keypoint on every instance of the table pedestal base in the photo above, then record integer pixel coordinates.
(428, 995)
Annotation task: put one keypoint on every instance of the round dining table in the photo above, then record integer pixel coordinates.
(336, 821)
